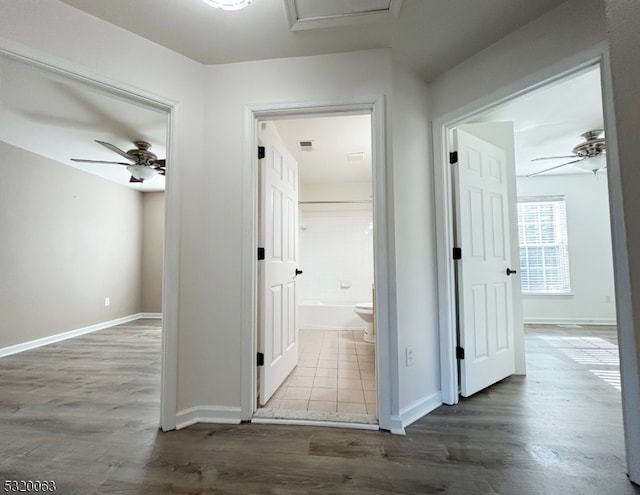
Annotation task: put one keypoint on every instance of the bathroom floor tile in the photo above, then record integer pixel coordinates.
(370, 396)
(348, 365)
(347, 357)
(303, 371)
(297, 393)
(322, 406)
(368, 384)
(299, 381)
(349, 373)
(294, 404)
(326, 394)
(335, 372)
(350, 395)
(350, 383)
(327, 372)
(326, 363)
(349, 407)
(325, 382)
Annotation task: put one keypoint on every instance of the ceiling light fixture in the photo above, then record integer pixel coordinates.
(141, 172)
(228, 4)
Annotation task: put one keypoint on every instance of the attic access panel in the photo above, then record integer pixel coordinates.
(312, 14)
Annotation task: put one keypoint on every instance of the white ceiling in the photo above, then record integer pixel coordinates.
(429, 35)
(549, 121)
(333, 139)
(59, 118)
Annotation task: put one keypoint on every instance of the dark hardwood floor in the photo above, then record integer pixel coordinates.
(84, 413)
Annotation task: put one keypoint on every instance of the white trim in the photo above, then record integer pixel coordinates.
(151, 316)
(570, 321)
(397, 426)
(383, 243)
(59, 337)
(416, 410)
(308, 422)
(169, 365)
(207, 414)
(443, 196)
(297, 24)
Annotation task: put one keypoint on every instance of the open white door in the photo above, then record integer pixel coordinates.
(485, 304)
(277, 316)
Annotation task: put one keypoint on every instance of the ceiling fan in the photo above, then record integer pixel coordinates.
(589, 155)
(142, 165)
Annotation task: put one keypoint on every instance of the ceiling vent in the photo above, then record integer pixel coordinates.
(305, 145)
(314, 14)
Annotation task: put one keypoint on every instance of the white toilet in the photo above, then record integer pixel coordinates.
(365, 312)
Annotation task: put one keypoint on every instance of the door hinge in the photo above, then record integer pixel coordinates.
(260, 359)
(453, 157)
(261, 152)
(260, 253)
(457, 253)
(459, 352)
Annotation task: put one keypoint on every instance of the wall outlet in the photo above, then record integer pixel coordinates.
(107, 302)
(409, 356)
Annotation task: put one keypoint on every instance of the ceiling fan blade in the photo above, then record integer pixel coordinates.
(115, 149)
(553, 157)
(160, 162)
(97, 161)
(133, 179)
(553, 168)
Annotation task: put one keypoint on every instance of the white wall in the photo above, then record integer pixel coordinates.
(152, 251)
(67, 37)
(624, 37)
(69, 240)
(415, 261)
(336, 244)
(555, 37)
(590, 256)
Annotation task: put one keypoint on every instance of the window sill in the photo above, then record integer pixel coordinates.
(548, 294)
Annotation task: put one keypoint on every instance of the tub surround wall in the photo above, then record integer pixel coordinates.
(336, 244)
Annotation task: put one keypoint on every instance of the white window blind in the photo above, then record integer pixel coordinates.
(544, 253)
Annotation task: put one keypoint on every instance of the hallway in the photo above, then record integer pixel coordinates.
(83, 413)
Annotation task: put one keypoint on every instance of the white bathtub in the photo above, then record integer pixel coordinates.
(321, 315)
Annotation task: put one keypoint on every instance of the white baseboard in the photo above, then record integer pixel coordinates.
(414, 412)
(151, 316)
(207, 414)
(306, 422)
(569, 321)
(33, 344)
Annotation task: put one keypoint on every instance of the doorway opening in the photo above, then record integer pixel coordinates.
(89, 278)
(561, 262)
(319, 355)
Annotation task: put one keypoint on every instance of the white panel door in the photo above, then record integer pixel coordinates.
(277, 319)
(485, 307)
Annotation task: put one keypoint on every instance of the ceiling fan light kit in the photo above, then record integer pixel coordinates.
(228, 4)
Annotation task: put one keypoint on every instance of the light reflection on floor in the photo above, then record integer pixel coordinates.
(600, 355)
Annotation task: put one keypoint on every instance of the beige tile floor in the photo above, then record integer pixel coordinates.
(335, 373)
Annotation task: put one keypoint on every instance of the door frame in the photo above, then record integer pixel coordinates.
(444, 200)
(254, 115)
(171, 262)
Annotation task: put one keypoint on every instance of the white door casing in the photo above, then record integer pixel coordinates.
(485, 306)
(278, 331)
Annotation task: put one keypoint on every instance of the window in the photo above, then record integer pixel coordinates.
(544, 254)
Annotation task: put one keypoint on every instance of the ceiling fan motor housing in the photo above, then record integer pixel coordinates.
(141, 154)
(593, 145)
